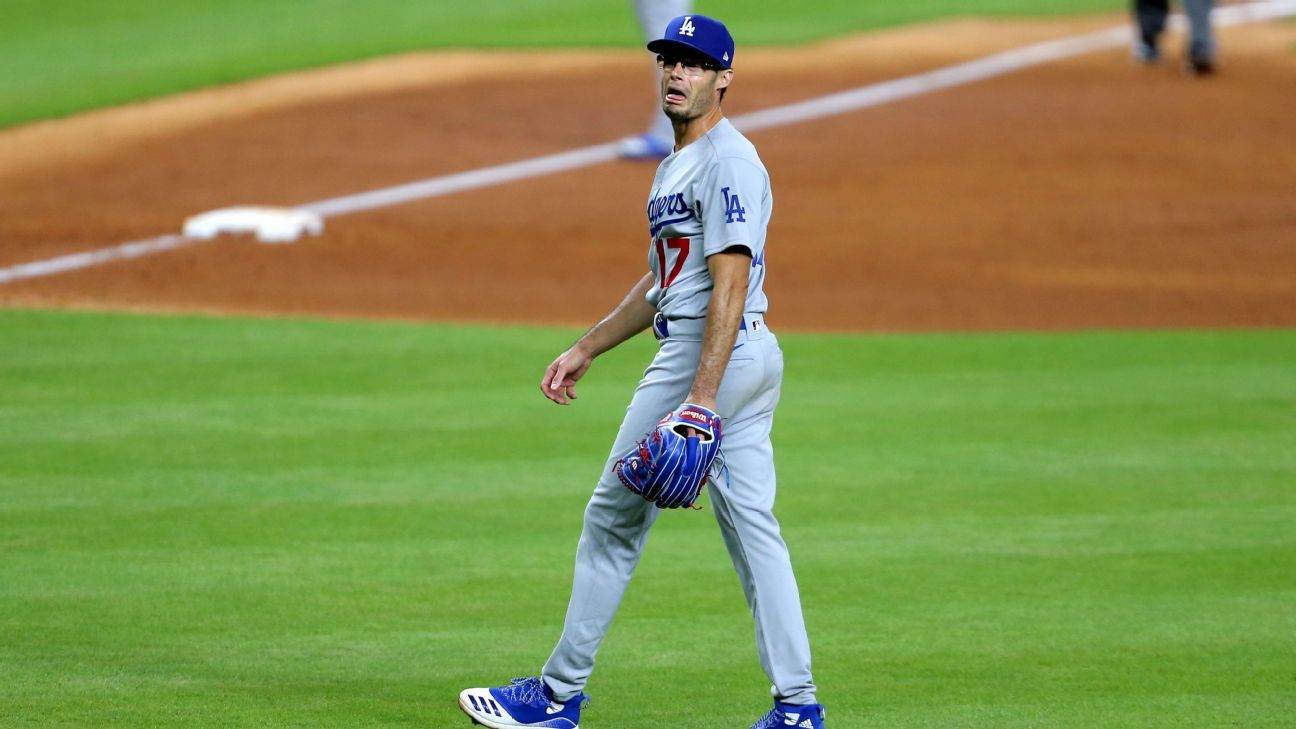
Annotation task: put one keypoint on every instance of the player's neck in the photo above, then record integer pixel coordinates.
(691, 130)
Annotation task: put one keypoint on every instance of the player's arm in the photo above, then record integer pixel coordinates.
(729, 272)
(633, 315)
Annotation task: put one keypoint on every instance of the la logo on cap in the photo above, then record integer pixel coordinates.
(687, 27)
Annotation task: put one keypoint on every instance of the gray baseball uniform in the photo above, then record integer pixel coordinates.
(710, 196)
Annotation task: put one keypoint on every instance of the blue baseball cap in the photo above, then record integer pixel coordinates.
(697, 34)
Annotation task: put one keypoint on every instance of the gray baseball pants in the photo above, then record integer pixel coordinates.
(1152, 14)
(617, 521)
(653, 15)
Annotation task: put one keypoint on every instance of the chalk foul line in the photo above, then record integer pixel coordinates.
(843, 102)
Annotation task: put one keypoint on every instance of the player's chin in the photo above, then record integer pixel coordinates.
(677, 112)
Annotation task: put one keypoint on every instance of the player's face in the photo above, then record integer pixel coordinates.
(690, 86)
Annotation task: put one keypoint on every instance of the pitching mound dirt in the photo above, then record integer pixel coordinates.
(1087, 193)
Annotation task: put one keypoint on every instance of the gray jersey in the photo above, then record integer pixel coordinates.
(708, 197)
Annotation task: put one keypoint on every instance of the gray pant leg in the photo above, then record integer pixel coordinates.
(744, 502)
(1150, 16)
(653, 15)
(616, 528)
(617, 521)
(1201, 43)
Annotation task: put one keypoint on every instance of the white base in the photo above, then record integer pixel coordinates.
(271, 225)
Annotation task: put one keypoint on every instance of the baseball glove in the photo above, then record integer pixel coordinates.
(668, 467)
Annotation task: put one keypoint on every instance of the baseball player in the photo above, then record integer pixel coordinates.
(703, 297)
(657, 142)
(1150, 17)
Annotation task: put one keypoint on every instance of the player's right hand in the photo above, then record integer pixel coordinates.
(559, 381)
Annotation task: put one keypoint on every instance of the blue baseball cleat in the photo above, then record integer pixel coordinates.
(525, 702)
(646, 146)
(810, 716)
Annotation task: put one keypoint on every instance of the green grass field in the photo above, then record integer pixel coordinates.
(68, 56)
(279, 523)
(226, 522)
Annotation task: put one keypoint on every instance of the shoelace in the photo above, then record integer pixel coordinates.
(772, 719)
(526, 691)
(719, 467)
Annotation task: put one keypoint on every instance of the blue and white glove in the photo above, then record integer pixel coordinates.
(668, 467)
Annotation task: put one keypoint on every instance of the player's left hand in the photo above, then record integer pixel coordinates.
(672, 463)
(707, 402)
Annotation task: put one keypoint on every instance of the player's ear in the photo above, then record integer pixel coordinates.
(724, 78)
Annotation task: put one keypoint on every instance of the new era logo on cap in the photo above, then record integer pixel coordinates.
(697, 34)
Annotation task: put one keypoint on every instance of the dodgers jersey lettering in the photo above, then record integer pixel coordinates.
(710, 196)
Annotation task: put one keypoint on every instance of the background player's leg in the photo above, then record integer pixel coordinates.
(657, 142)
(616, 528)
(1201, 39)
(1150, 20)
(653, 15)
(743, 504)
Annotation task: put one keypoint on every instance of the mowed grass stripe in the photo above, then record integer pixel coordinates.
(259, 522)
(68, 56)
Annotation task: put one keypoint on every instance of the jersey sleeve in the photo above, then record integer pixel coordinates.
(732, 202)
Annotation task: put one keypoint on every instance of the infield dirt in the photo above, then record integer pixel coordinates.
(1090, 193)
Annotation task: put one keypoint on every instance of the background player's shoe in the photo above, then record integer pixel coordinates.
(646, 146)
(1145, 54)
(1199, 65)
(525, 702)
(810, 716)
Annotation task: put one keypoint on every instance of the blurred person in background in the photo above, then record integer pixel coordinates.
(1150, 18)
(659, 140)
